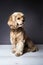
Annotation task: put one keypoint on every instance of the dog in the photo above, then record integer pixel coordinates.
(18, 38)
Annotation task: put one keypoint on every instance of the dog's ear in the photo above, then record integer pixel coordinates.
(12, 21)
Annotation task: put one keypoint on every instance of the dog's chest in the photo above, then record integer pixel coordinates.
(16, 35)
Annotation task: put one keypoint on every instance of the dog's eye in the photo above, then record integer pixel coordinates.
(18, 18)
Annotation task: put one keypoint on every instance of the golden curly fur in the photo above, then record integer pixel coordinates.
(20, 42)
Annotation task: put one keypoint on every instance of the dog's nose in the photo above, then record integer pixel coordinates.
(23, 20)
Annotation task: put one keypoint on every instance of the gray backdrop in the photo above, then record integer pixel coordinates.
(33, 26)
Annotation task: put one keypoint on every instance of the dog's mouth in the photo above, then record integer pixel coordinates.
(20, 25)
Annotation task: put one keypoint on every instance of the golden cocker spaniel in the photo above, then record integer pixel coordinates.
(20, 42)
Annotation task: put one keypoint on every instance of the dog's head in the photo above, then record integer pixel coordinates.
(16, 20)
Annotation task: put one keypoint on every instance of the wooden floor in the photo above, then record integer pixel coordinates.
(30, 58)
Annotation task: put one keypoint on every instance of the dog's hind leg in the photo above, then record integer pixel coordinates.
(31, 46)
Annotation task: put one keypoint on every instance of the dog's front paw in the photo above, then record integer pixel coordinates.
(18, 53)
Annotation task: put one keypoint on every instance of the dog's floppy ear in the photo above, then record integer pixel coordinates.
(12, 21)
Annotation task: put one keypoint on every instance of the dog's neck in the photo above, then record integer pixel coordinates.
(18, 29)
